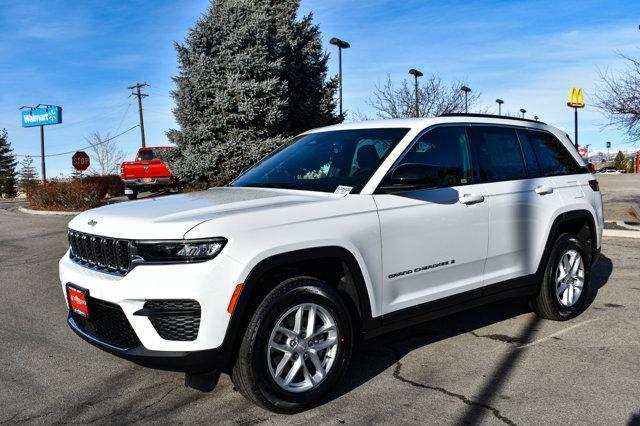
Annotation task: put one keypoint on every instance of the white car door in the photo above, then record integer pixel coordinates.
(522, 202)
(434, 241)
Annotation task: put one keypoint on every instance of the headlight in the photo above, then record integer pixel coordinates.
(179, 251)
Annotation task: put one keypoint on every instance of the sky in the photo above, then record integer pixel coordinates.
(83, 56)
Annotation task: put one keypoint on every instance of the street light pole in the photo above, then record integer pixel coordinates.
(466, 91)
(522, 110)
(415, 73)
(575, 114)
(499, 102)
(341, 45)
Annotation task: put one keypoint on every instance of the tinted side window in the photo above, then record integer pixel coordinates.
(553, 157)
(498, 152)
(447, 148)
(533, 167)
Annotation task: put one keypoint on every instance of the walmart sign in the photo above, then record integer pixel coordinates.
(42, 116)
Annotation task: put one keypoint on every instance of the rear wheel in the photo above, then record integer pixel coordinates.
(296, 347)
(566, 281)
(133, 195)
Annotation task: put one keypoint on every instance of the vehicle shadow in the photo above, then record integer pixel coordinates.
(381, 353)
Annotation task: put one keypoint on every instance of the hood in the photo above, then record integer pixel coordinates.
(171, 217)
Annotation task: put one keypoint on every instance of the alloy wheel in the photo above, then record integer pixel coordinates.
(569, 278)
(302, 347)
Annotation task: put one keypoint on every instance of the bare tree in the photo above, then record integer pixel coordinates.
(618, 97)
(435, 97)
(107, 156)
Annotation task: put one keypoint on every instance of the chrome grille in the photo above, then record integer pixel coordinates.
(106, 254)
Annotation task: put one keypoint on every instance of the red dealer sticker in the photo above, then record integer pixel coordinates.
(78, 301)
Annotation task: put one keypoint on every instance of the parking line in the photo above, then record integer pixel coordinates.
(557, 333)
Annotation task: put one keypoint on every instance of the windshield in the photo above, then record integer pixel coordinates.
(325, 160)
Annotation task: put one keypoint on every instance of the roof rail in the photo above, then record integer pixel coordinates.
(503, 117)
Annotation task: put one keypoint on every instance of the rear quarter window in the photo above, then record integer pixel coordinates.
(552, 155)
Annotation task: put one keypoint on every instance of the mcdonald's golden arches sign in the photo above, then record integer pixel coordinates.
(576, 98)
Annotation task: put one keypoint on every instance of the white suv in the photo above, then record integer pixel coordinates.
(347, 232)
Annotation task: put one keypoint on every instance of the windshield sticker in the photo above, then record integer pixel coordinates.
(343, 190)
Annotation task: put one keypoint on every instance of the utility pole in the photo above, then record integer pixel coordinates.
(137, 93)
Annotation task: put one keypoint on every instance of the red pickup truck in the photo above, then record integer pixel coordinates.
(147, 173)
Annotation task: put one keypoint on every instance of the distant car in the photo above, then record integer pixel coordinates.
(147, 173)
(610, 170)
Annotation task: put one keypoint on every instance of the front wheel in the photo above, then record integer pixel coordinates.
(566, 281)
(296, 347)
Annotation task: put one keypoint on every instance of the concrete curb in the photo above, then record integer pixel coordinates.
(46, 212)
(619, 233)
(627, 226)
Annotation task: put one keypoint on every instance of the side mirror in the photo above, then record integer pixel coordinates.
(411, 176)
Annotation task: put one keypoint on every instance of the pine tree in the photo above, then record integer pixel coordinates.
(250, 76)
(7, 167)
(27, 177)
(620, 162)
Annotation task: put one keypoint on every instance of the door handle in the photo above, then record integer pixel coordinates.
(543, 190)
(471, 198)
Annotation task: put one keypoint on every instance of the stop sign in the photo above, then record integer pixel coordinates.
(582, 151)
(80, 161)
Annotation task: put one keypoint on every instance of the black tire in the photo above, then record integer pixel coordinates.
(546, 304)
(251, 374)
(133, 195)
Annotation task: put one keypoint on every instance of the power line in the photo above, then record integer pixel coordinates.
(80, 149)
(113, 110)
(123, 117)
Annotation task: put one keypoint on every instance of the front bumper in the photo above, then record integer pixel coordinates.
(192, 362)
(209, 283)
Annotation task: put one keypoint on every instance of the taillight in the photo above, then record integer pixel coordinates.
(594, 185)
(592, 167)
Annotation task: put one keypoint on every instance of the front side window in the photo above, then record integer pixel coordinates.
(498, 153)
(553, 157)
(447, 148)
(325, 160)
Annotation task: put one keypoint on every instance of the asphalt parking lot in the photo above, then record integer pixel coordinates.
(494, 365)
